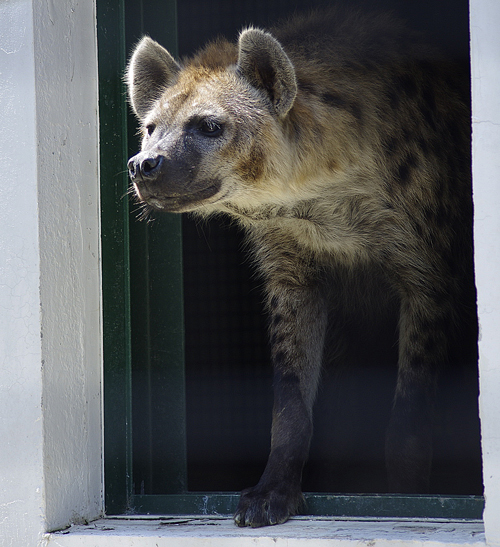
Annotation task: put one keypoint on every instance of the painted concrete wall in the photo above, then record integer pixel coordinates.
(21, 448)
(485, 48)
(50, 329)
(69, 209)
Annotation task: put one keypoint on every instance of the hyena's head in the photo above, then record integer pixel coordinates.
(213, 129)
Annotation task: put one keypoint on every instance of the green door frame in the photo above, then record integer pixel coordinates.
(132, 319)
(115, 258)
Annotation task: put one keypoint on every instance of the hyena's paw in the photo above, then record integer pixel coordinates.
(263, 507)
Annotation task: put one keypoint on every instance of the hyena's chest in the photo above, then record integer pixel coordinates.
(323, 230)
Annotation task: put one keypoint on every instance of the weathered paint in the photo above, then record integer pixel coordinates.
(303, 532)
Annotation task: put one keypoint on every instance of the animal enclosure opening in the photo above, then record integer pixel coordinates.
(228, 375)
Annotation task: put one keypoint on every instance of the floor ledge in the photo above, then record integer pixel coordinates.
(192, 531)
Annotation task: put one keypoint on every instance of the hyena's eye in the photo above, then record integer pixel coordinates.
(209, 128)
(150, 129)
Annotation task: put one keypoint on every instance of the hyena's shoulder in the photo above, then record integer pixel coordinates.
(343, 31)
(396, 105)
(372, 63)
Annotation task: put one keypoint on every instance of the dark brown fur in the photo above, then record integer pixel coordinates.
(345, 159)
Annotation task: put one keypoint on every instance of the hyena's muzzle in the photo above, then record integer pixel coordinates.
(169, 184)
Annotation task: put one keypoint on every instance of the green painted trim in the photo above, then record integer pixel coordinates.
(334, 505)
(115, 256)
(157, 307)
(158, 355)
(396, 505)
(210, 503)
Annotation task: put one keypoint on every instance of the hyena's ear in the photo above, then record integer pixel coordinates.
(150, 70)
(264, 63)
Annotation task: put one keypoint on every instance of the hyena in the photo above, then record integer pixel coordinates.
(341, 145)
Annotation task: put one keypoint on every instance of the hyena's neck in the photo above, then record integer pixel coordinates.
(253, 216)
(319, 231)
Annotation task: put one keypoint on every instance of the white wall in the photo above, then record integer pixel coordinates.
(68, 194)
(485, 47)
(50, 328)
(21, 448)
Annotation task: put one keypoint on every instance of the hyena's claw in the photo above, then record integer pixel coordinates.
(258, 507)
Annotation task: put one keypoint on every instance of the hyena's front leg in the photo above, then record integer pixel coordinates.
(298, 323)
(422, 351)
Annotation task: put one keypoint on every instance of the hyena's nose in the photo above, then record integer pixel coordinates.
(144, 166)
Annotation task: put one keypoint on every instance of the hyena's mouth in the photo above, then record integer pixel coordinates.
(177, 202)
